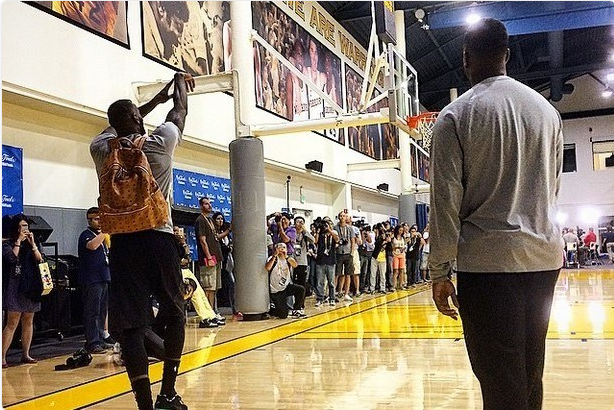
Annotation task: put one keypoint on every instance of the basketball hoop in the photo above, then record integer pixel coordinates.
(423, 125)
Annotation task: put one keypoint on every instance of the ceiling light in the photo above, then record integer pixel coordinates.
(607, 93)
(473, 18)
(610, 77)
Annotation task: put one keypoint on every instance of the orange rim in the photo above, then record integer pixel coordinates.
(412, 122)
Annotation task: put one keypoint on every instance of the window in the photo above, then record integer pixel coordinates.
(569, 158)
(603, 155)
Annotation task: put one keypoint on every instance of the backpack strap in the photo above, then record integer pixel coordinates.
(118, 142)
(139, 142)
(273, 267)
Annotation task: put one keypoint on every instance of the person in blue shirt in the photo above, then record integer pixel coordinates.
(94, 279)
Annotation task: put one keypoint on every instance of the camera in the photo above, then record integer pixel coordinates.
(344, 242)
(320, 224)
(360, 223)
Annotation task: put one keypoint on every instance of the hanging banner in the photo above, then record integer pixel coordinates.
(12, 180)
(189, 187)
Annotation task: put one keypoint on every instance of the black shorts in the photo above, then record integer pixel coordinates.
(143, 264)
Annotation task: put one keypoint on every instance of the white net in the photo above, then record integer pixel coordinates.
(424, 124)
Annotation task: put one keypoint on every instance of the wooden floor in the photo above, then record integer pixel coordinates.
(392, 351)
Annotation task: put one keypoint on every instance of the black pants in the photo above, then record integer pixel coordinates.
(299, 277)
(505, 320)
(279, 299)
(144, 264)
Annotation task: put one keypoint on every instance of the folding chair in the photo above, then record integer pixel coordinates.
(571, 253)
(594, 254)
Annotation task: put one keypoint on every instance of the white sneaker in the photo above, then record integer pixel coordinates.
(219, 318)
(347, 298)
(318, 303)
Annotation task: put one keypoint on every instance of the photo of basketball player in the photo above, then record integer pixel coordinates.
(106, 18)
(278, 89)
(187, 35)
(365, 139)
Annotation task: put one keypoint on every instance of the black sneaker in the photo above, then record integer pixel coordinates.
(97, 350)
(298, 314)
(174, 403)
(207, 323)
(109, 340)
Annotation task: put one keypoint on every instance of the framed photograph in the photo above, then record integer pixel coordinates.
(366, 139)
(278, 90)
(414, 161)
(107, 19)
(192, 36)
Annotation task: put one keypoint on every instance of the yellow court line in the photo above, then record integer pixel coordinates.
(99, 390)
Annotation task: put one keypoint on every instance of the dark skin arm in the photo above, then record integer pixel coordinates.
(442, 293)
(160, 98)
(148, 107)
(183, 84)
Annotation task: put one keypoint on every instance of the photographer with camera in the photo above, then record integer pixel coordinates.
(282, 230)
(365, 251)
(279, 267)
(414, 246)
(326, 239)
(345, 263)
(303, 239)
(22, 296)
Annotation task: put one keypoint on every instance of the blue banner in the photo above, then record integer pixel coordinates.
(189, 187)
(12, 180)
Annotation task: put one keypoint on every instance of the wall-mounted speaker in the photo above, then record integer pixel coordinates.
(314, 166)
(383, 187)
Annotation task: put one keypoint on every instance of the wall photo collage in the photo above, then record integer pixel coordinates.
(196, 37)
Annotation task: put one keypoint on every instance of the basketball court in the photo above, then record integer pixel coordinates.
(379, 351)
(382, 351)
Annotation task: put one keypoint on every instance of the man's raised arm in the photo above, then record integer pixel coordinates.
(159, 98)
(183, 83)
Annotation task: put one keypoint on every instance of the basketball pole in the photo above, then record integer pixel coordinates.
(247, 178)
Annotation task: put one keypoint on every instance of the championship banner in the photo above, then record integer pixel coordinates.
(189, 187)
(12, 180)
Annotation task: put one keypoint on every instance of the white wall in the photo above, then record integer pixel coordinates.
(587, 194)
(49, 59)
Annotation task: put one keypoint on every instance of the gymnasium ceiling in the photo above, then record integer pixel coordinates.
(555, 46)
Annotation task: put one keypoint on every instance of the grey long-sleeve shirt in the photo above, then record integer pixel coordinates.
(496, 160)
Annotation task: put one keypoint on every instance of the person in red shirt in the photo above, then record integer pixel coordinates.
(590, 237)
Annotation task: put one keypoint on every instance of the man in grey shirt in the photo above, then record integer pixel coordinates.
(147, 263)
(496, 160)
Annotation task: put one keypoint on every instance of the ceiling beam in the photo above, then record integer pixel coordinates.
(527, 17)
(529, 76)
